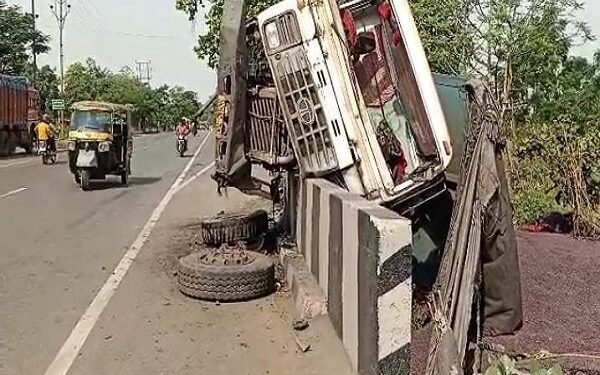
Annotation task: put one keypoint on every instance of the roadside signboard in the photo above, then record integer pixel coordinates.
(58, 104)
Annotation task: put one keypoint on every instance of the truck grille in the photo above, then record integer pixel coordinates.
(306, 119)
(268, 140)
(287, 30)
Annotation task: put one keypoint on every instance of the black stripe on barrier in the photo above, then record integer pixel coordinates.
(336, 264)
(395, 270)
(314, 233)
(303, 219)
(368, 326)
(397, 363)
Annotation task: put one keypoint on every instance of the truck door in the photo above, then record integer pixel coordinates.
(232, 168)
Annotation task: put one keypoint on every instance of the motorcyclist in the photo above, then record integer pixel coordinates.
(183, 129)
(45, 131)
(194, 127)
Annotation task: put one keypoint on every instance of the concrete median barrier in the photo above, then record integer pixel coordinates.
(360, 255)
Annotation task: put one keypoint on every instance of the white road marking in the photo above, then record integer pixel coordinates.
(71, 348)
(17, 163)
(16, 191)
(195, 176)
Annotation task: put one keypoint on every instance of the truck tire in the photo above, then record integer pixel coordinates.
(226, 275)
(230, 229)
(3, 143)
(12, 142)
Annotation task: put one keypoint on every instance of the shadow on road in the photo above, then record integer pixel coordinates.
(17, 156)
(140, 181)
(116, 183)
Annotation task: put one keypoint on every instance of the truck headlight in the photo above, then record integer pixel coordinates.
(103, 147)
(72, 146)
(272, 35)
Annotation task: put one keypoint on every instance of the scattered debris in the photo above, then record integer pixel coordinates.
(304, 347)
(300, 325)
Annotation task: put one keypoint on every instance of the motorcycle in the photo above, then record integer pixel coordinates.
(181, 145)
(48, 156)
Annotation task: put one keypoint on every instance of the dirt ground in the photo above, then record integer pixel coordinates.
(560, 279)
(149, 327)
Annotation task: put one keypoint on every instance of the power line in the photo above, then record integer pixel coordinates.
(125, 33)
(91, 2)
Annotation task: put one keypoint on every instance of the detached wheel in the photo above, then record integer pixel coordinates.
(231, 229)
(226, 275)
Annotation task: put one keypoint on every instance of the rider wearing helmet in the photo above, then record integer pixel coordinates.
(183, 129)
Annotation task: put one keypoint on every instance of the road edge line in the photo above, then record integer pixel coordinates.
(194, 177)
(72, 346)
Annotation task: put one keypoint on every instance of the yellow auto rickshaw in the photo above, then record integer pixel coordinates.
(100, 142)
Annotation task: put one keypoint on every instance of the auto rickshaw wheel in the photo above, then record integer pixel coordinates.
(84, 177)
(125, 177)
(231, 229)
(226, 274)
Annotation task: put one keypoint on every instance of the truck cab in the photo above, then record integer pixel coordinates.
(356, 96)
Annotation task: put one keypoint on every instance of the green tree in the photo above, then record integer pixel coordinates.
(446, 40)
(17, 36)
(163, 107)
(208, 43)
(86, 81)
(46, 82)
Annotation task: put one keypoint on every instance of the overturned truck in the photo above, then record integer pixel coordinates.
(342, 90)
(338, 90)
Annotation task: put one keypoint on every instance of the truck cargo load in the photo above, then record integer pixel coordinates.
(19, 109)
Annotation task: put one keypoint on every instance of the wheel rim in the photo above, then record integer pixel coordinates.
(227, 256)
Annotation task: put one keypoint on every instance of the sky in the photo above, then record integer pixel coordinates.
(116, 33)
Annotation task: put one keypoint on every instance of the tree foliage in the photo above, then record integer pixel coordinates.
(162, 107)
(441, 25)
(46, 82)
(208, 43)
(16, 38)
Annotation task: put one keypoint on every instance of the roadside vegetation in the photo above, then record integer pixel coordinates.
(546, 98)
(507, 366)
(161, 107)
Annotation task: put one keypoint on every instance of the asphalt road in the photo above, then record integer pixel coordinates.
(59, 244)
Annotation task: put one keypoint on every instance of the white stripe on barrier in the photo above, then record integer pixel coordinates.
(394, 315)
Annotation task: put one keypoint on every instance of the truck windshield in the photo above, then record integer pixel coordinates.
(94, 120)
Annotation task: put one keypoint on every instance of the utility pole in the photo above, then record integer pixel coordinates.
(143, 70)
(34, 17)
(61, 10)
